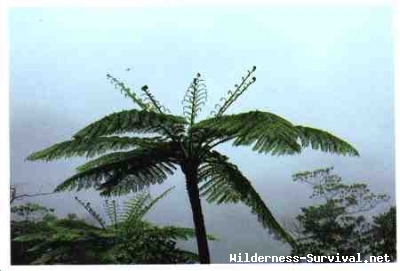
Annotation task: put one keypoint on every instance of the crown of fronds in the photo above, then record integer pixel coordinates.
(195, 97)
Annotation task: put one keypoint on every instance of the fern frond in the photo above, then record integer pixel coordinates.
(132, 214)
(133, 121)
(119, 173)
(92, 212)
(112, 182)
(149, 98)
(232, 96)
(112, 211)
(195, 97)
(146, 207)
(324, 141)
(136, 208)
(128, 92)
(151, 153)
(270, 134)
(224, 183)
(90, 148)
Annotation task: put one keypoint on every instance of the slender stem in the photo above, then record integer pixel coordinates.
(198, 219)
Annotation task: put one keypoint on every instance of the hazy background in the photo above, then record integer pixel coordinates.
(330, 68)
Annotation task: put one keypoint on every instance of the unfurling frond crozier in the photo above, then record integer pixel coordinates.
(128, 92)
(151, 100)
(195, 97)
(233, 96)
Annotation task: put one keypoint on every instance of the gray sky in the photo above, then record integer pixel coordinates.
(330, 68)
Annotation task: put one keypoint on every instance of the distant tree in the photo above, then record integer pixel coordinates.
(26, 219)
(126, 239)
(183, 142)
(336, 225)
(383, 234)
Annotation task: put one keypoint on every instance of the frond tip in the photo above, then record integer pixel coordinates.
(152, 102)
(319, 139)
(90, 148)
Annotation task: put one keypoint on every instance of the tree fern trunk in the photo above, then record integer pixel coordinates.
(198, 220)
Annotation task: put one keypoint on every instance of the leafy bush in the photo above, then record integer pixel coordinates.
(337, 224)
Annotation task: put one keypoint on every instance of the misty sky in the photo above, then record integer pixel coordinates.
(329, 68)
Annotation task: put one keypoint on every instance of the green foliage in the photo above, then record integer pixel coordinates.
(337, 224)
(128, 92)
(232, 96)
(224, 183)
(27, 220)
(185, 142)
(149, 103)
(122, 172)
(126, 239)
(270, 134)
(93, 213)
(131, 121)
(151, 99)
(91, 148)
(382, 235)
(195, 97)
(30, 208)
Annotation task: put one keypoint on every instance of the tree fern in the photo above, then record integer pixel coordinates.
(186, 142)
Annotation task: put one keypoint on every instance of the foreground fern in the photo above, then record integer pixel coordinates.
(182, 141)
(125, 239)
